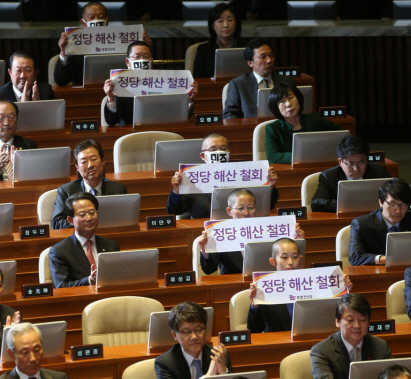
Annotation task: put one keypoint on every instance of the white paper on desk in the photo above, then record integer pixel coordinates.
(102, 39)
(130, 83)
(232, 234)
(204, 177)
(282, 287)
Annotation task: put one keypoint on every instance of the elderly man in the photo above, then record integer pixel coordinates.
(25, 346)
(8, 127)
(88, 158)
(73, 260)
(394, 371)
(242, 91)
(23, 85)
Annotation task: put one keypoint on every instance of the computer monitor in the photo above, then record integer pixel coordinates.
(370, 369)
(97, 67)
(312, 10)
(6, 219)
(41, 164)
(325, 144)
(11, 12)
(118, 210)
(9, 269)
(402, 10)
(198, 10)
(2, 72)
(116, 11)
(230, 63)
(41, 115)
(127, 267)
(160, 109)
(397, 251)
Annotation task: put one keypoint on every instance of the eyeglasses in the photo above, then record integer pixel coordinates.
(353, 164)
(10, 117)
(242, 209)
(83, 215)
(197, 332)
(220, 148)
(402, 206)
(140, 56)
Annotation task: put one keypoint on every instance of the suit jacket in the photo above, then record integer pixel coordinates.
(330, 359)
(229, 263)
(59, 217)
(242, 95)
(4, 312)
(325, 198)
(71, 72)
(173, 365)
(368, 237)
(44, 373)
(407, 290)
(69, 265)
(7, 93)
(269, 318)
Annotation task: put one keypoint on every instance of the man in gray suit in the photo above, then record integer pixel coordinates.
(25, 346)
(331, 358)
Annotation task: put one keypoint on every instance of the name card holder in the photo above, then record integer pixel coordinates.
(376, 157)
(294, 71)
(382, 326)
(84, 126)
(333, 112)
(34, 231)
(179, 278)
(80, 352)
(300, 213)
(36, 290)
(156, 222)
(236, 337)
(208, 118)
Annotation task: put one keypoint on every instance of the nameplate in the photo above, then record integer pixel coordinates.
(382, 326)
(288, 71)
(208, 119)
(84, 126)
(300, 213)
(234, 337)
(34, 231)
(80, 352)
(329, 112)
(36, 290)
(179, 278)
(326, 264)
(376, 157)
(155, 222)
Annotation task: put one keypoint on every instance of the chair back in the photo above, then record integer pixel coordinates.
(238, 311)
(140, 370)
(224, 95)
(395, 303)
(191, 53)
(44, 267)
(103, 121)
(45, 205)
(259, 153)
(308, 188)
(296, 366)
(342, 243)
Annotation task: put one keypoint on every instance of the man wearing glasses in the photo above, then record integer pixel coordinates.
(191, 357)
(73, 260)
(214, 149)
(352, 154)
(369, 232)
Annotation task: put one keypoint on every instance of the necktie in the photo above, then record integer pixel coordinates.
(266, 83)
(8, 168)
(94, 192)
(355, 354)
(89, 254)
(393, 229)
(197, 365)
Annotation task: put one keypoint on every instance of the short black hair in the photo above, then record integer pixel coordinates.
(79, 196)
(397, 188)
(22, 54)
(394, 370)
(94, 3)
(351, 145)
(213, 135)
(16, 108)
(279, 92)
(216, 13)
(238, 192)
(354, 301)
(277, 244)
(253, 44)
(83, 145)
(136, 43)
(186, 312)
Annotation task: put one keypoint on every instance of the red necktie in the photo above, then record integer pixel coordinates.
(89, 254)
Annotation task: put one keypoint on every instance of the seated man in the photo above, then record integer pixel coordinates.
(199, 205)
(23, 85)
(9, 113)
(242, 91)
(394, 371)
(331, 358)
(120, 109)
(25, 346)
(407, 290)
(88, 158)
(352, 154)
(73, 260)
(369, 233)
(8, 315)
(241, 204)
(191, 357)
(278, 317)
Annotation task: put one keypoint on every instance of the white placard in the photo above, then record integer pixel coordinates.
(130, 83)
(102, 39)
(204, 177)
(282, 287)
(233, 234)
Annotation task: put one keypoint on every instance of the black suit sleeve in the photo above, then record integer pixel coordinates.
(63, 73)
(407, 290)
(274, 197)
(232, 106)
(255, 320)
(59, 217)
(210, 264)
(323, 199)
(357, 249)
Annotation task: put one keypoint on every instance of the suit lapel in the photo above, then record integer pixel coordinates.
(78, 253)
(13, 374)
(181, 363)
(100, 245)
(342, 354)
(83, 188)
(252, 87)
(367, 353)
(381, 228)
(206, 360)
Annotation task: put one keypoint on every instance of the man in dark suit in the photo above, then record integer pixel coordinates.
(368, 233)
(88, 158)
(242, 91)
(25, 347)
(73, 260)
(23, 85)
(8, 126)
(331, 358)
(191, 357)
(407, 290)
(352, 154)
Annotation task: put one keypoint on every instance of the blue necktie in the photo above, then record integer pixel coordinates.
(393, 229)
(94, 192)
(197, 365)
